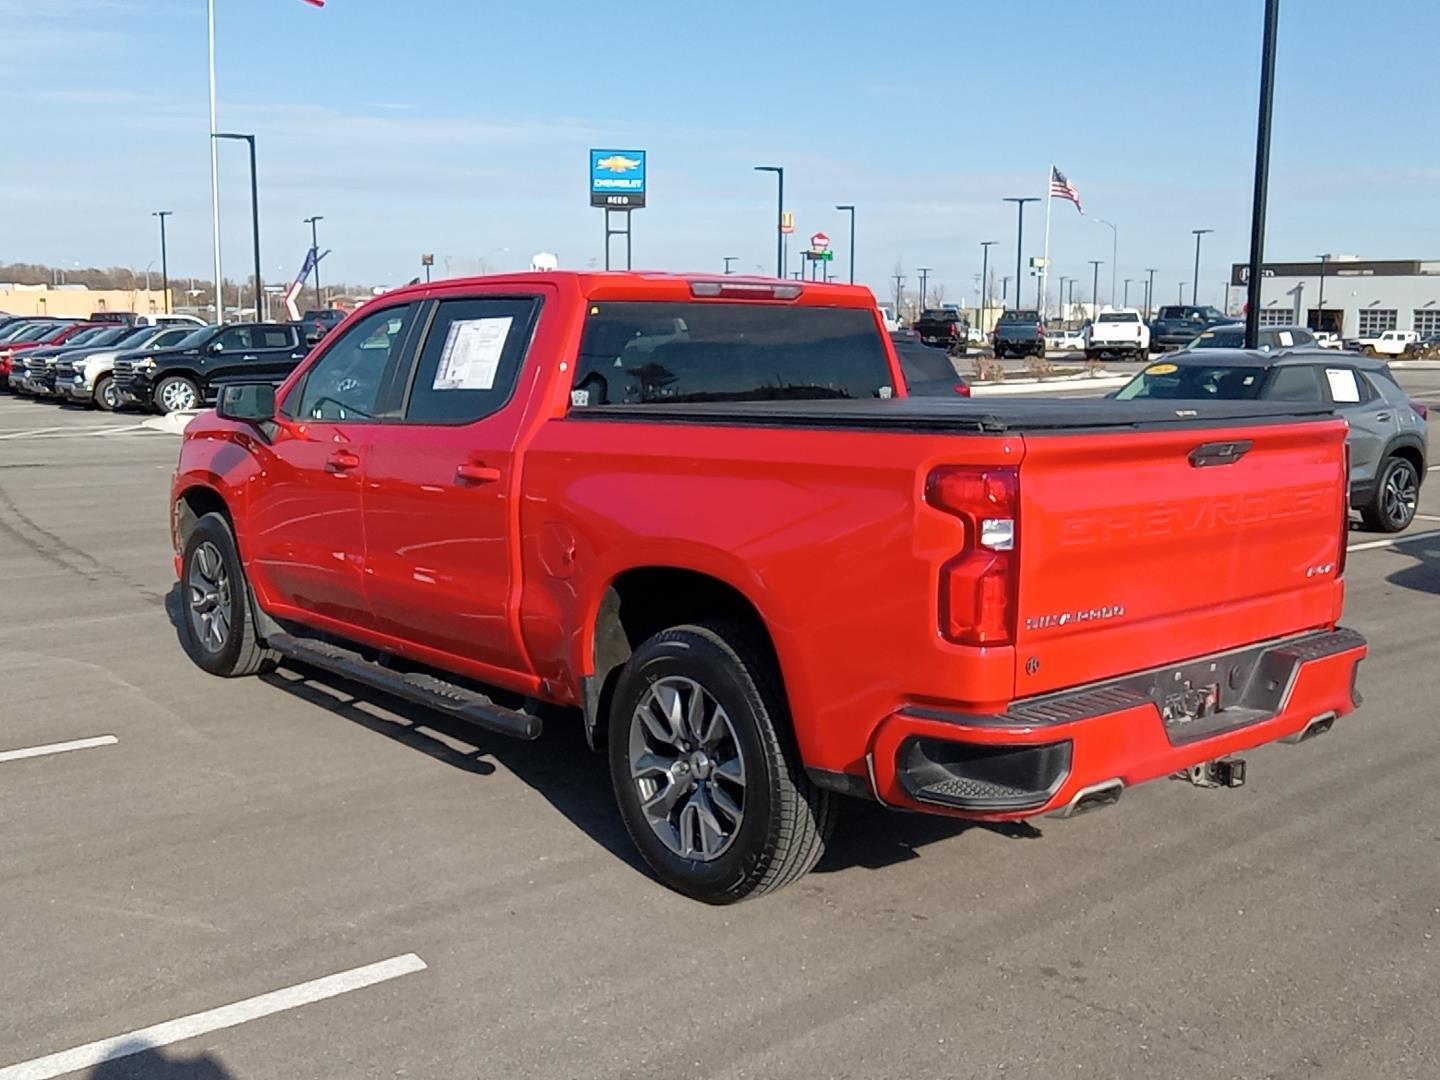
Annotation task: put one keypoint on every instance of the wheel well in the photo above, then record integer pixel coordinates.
(1411, 454)
(639, 604)
(194, 504)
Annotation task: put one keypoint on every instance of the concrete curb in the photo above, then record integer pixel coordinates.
(1016, 386)
(1416, 365)
(171, 423)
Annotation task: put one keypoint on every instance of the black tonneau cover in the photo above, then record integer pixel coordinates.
(961, 416)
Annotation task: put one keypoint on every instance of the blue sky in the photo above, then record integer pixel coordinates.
(461, 127)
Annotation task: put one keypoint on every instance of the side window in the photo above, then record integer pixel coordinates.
(272, 337)
(1299, 382)
(471, 359)
(1346, 388)
(236, 339)
(344, 384)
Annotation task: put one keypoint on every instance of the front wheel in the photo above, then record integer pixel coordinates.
(215, 623)
(176, 393)
(705, 770)
(1397, 496)
(107, 394)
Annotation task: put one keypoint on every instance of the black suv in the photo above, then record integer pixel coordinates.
(1177, 325)
(192, 372)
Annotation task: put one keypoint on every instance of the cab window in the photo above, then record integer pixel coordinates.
(345, 382)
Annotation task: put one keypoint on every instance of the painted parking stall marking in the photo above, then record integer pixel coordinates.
(57, 748)
(203, 1023)
(1394, 541)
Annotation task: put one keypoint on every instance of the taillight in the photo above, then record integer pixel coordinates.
(963, 389)
(1344, 518)
(954, 329)
(745, 290)
(977, 588)
(1421, 409)
(1040, 331)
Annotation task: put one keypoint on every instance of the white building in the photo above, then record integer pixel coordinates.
(1360, 296)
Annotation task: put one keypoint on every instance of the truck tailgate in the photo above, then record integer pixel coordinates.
(1141, 549)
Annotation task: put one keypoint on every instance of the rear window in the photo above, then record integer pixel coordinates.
(941, 315)
(1118, 316)
(1220, 339)
(920, 363)
(636, 353)
(1195, 382)
(1020, 316)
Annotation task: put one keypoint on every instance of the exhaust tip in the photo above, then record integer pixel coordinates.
(1094, 797)
(1318, 725)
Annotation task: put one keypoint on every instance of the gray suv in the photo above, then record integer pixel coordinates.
(1387, 429)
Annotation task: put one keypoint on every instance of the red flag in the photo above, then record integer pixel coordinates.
(316, 3)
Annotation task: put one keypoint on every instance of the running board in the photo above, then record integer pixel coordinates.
(430, 691)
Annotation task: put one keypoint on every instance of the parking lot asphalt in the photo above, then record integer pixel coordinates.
(264, 843)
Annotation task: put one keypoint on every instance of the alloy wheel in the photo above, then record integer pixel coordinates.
(686, 765)
(210, 601)
(177, 396)
(1402, 495)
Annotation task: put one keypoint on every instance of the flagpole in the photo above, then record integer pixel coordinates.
(1045, 270)
(215, 180)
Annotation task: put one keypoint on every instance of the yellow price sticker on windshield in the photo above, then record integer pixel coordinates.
(1162, 369)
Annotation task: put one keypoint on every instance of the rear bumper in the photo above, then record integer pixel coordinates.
(1043, 753)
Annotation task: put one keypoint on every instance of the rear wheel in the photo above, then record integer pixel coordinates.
(215, 623)
(1397, 496)
(705, 769)
(107, 394)
(176, 393)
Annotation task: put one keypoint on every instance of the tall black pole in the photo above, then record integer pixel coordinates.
(1070, 300)
(1319, 304)
(728, 260)
(985, 246)
(851, 210)
(255, 225)
(165, 262)
(1262, 173)
(1195, 284)
(779, 216)
(1095, 287)
(315, 247)
(1150, 292)
(1019, 240)
(899, 294)
(924, 272)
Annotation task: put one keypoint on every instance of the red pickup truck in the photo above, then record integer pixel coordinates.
(700, 518)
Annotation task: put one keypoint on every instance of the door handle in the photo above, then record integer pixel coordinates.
(1383, 417)
(475, 473)
(342, 461)
(250, 356)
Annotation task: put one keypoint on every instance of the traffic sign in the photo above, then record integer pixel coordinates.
(819, 242)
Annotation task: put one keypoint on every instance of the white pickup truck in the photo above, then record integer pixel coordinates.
(1121, 332)
(1389, 343)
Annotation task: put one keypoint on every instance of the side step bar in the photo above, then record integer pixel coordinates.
(427, 690)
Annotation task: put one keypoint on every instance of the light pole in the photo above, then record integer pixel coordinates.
(1060, 299)
(851, 211)
(728, 260)
(1114, 256)
(1262, 172)
(1195, 284)
(315, 247)
(1320, 303)
(899, 294)
(1150, 293)
(215, 177)
(1095, 265)
(924, 272)
(1126, 302)
(779, 216)
(1180, 296)
(1004, 290)
(165, 263)
(1070, 300)
(1019, 202)
(985, 246)
(254, 218)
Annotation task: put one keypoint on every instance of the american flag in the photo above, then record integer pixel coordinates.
(1061, 188)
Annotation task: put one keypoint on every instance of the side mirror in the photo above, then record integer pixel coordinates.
(249, 403)
(216, 347)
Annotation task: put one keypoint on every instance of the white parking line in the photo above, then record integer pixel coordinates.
(1427, 517)
(28, 434)
(57, 748)
(202, 1023)
(1392, 541)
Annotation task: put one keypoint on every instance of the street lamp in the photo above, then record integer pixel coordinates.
(1095, 265)
(1180, 296)
(1060, 299)
(985, 246)
(924, 272)
(1262, 171)
(1150, 293)
(315, 247)
(779, 216)
(851, 210)
(728, 260)
(165, 264)
(1019, 202)
(1195, 284)
(1004, 290)
(1114, 256)
(1320, 303)
(254, 221)
(899, 294)
(1126, 302)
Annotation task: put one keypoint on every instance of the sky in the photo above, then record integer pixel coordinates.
(461, 128)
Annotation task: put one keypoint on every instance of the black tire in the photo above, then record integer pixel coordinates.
(209, 552)
(1397, 493)
(176, 384)
(785, 820)
(104, 389)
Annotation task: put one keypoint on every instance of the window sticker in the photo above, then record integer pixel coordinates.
(472, 354)
(1343, 387)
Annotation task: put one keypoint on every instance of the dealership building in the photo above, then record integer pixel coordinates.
(1354, 297)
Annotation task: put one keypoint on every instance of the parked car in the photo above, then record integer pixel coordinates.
(520, 493)
(1120, 332)
(1176, 325)
(1388, 343)
(1232, 336)
(1387, 431)
(928, 371)
(85, 376)
(944, 328)
(191, 321)
(37, 378)
(191, 372)
(1064, 340)
(320, 321)
(37, 335)
(1327, 339)
(1019, 333)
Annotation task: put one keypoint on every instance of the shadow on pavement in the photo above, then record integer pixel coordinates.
(872, 837)
(1424, 574)
(154, 1064)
